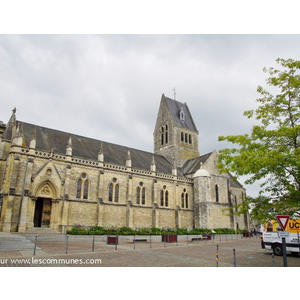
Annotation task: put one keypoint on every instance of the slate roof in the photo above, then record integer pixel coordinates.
(174, 108)
(88, 148)
(192, 165)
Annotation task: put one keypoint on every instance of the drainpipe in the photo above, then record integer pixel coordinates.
(22, 194)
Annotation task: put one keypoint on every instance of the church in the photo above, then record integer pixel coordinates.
(57, 180)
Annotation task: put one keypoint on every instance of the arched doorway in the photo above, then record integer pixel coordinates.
(43, 205)
(42, 212)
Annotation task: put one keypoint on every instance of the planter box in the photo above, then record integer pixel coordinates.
(112, 240)
(208, 236)
(247, 234)
(169, 238)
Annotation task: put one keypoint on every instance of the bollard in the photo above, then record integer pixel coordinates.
(284, 252)
(116, 243)
(67, 237)
(150, 242)
(34, 248)
(217, 256)
(273, 260)
(234, 260)
(93, 246)
(134, 242)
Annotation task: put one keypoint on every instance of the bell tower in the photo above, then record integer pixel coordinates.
(175, 134)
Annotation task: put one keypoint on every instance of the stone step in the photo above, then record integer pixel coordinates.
(42, 230)
(12, 242)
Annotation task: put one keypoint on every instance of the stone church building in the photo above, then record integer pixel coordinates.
(54, 179)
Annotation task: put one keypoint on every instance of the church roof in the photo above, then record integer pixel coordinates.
(175, 107)
(192, 165)
(88, 148)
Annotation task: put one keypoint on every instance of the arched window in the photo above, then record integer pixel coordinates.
(184, 199)
(190, 139)
(217, 193)
(117, 193)
(86, 190)
(167, 198)
(82, 187)
(167, 134)
(182, 137)
(79, 183)
(162, 135)
(143, 196)
(140, 194)
(110, 195)
(186, 138)
(164, 197)
(113, 194)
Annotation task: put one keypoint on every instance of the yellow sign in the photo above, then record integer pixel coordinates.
(273, 226)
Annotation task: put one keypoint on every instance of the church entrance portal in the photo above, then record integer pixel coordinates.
(42, 213)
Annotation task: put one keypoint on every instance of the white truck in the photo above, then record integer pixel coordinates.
(271, 237)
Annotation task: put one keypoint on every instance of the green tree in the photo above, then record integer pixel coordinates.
(271, 153)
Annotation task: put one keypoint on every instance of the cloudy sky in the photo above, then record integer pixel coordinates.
(109, 87)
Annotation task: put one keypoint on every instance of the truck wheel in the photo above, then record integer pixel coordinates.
(277, 249)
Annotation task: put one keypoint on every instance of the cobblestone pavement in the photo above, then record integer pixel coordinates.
(52, 250)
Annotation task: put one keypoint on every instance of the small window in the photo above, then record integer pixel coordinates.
(182, 137)
(217, 193)
(190, 139)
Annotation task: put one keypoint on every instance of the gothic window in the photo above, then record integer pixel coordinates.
(235, 203)
(186, 138)
(184, 199)
(143, 196)
(167, 135)
(117, 193)
(86, 190)
(167, 198)
(110, 195)
(140, 194)
(182, 137)
(164, 134)
(190, 139)
(113, 194)
(79, 184)
(217, 193)
(82, 187)
(164, 197)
